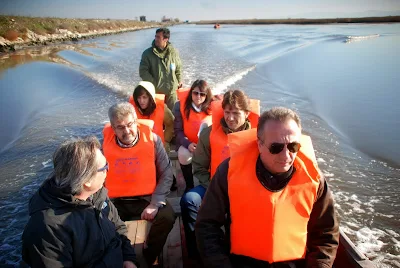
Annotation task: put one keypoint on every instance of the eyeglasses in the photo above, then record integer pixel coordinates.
(129, 125)
(103, 168)
(276, 148)
(202, 94)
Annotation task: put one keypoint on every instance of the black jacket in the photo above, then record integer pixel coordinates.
(66, 232)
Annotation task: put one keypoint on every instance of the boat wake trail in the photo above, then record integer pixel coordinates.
(221, 87)
(352, 39)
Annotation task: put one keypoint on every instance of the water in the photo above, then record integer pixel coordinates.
(341, 79)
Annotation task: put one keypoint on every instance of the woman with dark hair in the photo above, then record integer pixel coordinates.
(149, 105)
(192, 112)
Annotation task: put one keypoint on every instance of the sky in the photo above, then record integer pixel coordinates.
(195, 10)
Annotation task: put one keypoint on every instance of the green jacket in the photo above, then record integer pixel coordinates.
(201, 160)
(168, 124)
(161, 67)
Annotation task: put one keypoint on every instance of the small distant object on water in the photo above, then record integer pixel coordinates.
(217, 26)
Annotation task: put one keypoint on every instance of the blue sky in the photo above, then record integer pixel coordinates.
(200, 10)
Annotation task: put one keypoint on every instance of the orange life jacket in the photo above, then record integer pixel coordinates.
(191, 126)
(270, 226)
(157, 116)
(132, 170)
(218, 138)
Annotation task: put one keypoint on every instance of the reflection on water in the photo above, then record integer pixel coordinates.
(50, 54)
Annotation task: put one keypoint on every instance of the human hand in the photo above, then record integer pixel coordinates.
(192, 147)
(129, 264)
(180, 84)
(149, 212)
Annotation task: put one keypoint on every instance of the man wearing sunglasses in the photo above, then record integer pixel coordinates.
(140, 175)
(72, 221)
(277, 203)
(234, 113)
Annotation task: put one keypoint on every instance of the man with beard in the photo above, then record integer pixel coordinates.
(140, 175)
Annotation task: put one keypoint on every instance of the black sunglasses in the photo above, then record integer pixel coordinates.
(202, 94)
(103, 168)
(276, 148)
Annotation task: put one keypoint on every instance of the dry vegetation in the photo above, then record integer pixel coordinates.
(387, 19)
(12, 27)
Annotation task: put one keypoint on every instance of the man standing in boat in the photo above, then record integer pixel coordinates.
(140, 175)
(236, 112)
(277, 203)
(72, 221)
(161, 65)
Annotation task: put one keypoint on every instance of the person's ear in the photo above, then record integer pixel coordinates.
(112, 126)
(87, 184)
(259, 144)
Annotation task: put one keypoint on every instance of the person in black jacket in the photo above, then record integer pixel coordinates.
(72, 221)
(275, 203)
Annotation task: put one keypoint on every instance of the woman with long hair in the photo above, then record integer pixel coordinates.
(192, 112)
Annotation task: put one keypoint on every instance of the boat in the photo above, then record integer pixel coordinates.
(349, 256)
(217, 26)
(175, 254)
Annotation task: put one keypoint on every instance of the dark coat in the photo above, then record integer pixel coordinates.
(214, 246)
(67, 232)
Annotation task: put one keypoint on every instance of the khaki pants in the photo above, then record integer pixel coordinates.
(170, 100)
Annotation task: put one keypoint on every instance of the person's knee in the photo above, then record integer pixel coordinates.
(190, 199)
(184, 156)
(167, 216)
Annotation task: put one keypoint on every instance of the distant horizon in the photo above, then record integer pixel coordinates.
(201, 10)
(205, 20)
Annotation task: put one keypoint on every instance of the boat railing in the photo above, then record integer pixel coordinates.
(349, 256)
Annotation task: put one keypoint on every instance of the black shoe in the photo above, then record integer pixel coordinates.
(174, 187)
(187, 175)
(187, 189)
(150, 260)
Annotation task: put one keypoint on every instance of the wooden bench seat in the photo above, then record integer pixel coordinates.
(174, 254)
(171, 256)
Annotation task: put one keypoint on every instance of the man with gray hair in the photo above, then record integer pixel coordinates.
(72, 221)
(140, 175)
(279, 209)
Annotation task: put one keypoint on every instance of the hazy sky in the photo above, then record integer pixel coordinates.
(199, 10)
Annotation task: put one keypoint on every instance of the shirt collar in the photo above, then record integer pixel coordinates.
(197, 109)
(129, 145)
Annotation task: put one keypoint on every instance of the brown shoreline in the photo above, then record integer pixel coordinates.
(44, 40)
(17, 32)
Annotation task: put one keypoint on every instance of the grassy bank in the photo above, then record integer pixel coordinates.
(17, 32)
(387, 19)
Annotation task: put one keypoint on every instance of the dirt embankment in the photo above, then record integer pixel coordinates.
(19, 32)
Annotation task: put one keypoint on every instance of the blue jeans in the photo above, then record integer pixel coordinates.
(190, 205)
